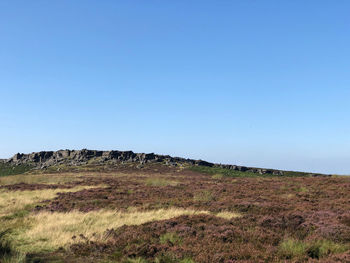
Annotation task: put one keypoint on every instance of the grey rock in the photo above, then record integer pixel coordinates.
(45, 159)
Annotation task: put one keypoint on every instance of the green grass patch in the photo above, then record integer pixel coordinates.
(187, 260)
(135, 260)
(9, 169)
(321, 248)
(291, 248)
(302, 189)
(203, 196)
(7, 252)
(155, 181)
(166, 257)
(296, 249)
(295, 174)
(217, 176)
(218, 172)
(18, 214)
(171, 238)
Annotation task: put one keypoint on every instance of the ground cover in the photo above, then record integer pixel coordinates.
(161, 214)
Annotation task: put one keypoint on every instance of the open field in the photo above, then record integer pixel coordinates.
(172, 214)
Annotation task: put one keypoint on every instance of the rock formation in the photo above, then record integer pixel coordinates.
(46, 159)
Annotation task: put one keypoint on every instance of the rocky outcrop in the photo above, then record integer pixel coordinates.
(80, 157)
(46, 159)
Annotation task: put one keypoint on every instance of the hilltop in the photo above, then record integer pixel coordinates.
(47, 159)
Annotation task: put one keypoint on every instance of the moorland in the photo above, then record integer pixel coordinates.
(168, 211)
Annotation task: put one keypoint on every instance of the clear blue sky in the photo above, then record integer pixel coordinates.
(258, 83)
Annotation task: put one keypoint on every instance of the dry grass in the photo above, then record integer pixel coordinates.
(157, 181)
(228, 215)
(12, 201)
(203, 196)
(14, 209)
(49, 231)
(217, 176)
(288, 196)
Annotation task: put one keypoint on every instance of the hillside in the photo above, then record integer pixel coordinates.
(50, 159)
(93, 206)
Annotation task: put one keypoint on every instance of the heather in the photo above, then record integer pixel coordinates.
(160, 213)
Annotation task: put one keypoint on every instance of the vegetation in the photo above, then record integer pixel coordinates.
(41, 178)
(171, 238)
(295, 174)
(218, 172)
(157, 181)
(9, 169)
(163, 214)
(228, 215)
(15, 219)
(296, 249)
(203, 196)
(15, 201)
(49, 231)
(291, 248)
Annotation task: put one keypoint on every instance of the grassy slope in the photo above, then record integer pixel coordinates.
(8, 169)
(232, 173)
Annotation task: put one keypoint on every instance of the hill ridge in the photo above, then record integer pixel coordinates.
(45, 159)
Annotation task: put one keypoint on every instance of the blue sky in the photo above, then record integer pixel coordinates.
(258, 83)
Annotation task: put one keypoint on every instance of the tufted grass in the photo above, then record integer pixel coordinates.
(296, 249)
